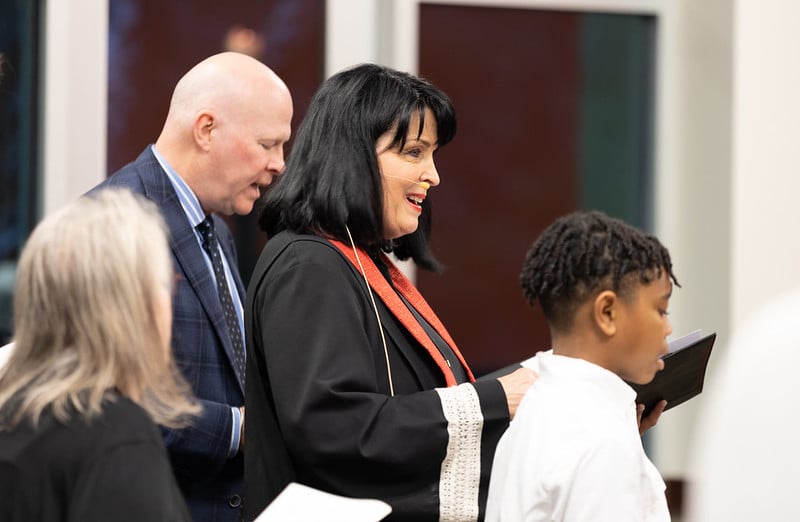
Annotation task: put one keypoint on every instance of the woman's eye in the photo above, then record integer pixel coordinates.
(416, 153)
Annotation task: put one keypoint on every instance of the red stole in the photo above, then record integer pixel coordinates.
(392, 301)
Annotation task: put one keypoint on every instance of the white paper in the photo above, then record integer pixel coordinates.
(684, 341)
(299, 503)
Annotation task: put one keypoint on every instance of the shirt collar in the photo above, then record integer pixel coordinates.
(186, 196)
(605, 381)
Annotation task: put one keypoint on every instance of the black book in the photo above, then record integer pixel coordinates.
(683, 374)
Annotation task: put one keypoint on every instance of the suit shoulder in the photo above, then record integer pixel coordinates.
(134, 175)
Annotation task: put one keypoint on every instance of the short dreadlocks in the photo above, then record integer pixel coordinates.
(584, 253)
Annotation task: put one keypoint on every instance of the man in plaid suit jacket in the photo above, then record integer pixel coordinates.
(221, 144)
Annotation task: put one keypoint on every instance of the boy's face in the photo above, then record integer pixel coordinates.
(644, 328)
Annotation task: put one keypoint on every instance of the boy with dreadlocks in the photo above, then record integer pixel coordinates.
(573, 451)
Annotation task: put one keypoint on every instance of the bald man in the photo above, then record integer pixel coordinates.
(221, 145)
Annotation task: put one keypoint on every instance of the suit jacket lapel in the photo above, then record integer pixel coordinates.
(187, 251)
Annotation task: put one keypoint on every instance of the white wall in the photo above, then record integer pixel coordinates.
(351, 34)
(732, 220)
(693, 190)
(766, 153)
(75, 98)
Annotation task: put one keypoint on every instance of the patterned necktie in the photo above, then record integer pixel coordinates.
(206, 229)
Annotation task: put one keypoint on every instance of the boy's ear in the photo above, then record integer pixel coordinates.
(606, 311)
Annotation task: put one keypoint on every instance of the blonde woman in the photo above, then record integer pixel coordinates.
(91, 369)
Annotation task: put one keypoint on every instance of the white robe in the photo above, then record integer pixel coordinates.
(573, 452)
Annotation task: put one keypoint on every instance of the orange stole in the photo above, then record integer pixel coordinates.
(392, 301)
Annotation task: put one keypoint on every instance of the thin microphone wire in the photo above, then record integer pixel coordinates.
(375, 308)
(424, 184)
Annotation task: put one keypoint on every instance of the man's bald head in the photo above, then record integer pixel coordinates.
(217, 83)
(228, 121)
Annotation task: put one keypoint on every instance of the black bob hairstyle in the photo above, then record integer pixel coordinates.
(332, 181)
(586, 252)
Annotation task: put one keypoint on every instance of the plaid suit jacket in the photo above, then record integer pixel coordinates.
(211, 481)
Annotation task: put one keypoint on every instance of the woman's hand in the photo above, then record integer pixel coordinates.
(515, 384)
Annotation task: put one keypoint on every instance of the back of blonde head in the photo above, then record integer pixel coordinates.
(85, 315)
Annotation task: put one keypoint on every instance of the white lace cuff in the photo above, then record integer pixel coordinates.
(461, 469)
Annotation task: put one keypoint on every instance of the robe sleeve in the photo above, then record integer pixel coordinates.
(343, 434)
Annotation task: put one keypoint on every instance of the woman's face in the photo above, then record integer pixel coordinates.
(407, 175)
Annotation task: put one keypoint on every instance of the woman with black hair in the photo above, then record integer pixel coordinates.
(353, 384)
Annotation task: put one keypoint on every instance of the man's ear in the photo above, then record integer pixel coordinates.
(606, 312)
(201, 130)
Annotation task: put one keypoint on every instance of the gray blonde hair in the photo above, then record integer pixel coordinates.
(86, 321)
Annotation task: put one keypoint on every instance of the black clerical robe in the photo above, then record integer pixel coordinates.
(319, 404)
